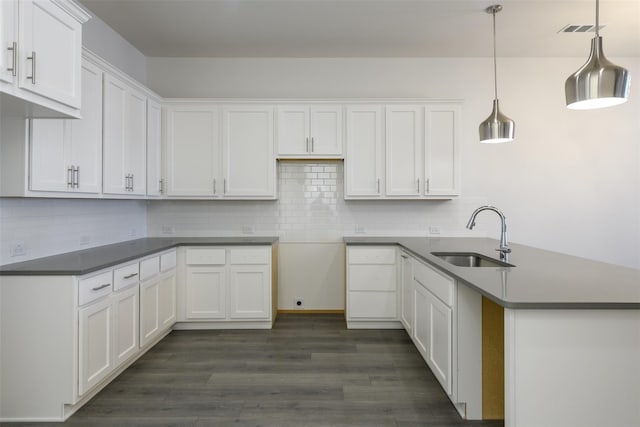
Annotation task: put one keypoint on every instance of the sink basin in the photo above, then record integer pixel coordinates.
(469, 259)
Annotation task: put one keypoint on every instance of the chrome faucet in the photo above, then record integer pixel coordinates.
(504, 245)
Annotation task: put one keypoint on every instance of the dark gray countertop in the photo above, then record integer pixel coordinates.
(539, 279)
(86, 261)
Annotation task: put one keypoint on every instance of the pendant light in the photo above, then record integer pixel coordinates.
(497, 127)
(598, 83)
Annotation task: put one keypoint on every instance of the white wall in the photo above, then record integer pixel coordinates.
(50, 226)
(102, 40)
(570, 182)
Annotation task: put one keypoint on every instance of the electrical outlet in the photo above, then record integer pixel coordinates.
(132, 232)
(18, 249)
(359, 230)
(298, 302)
(434, 229)
(85, 240)
(168, 229)
(247, 229)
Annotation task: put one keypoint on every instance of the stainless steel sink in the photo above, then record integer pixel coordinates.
(469, 259)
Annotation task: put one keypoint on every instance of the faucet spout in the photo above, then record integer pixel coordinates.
(504, 244)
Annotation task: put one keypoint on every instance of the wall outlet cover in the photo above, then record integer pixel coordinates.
(168, 229)
(18, 249)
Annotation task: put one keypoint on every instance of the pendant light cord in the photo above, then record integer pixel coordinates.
(597, 18)
(495, 68)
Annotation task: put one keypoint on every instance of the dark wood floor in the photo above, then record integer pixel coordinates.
(308, 371)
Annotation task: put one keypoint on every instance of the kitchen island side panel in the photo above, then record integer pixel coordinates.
(572, 368)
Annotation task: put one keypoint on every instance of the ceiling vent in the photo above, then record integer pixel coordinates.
(577, 28)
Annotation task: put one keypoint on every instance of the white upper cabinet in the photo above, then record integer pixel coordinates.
(249, 164)
(155, 182)
(364, 167)
(66, 155)
(193, 151)
(404, 125)
(9, 41)
(309, 131)
(125, 138)
(41, 56)
(417, 156)
(441, 153)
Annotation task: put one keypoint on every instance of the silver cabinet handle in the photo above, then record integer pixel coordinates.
(161, 186)
(418, 185)
(427, 185)
(14, 58)
(214, 186)
(404, 256)
(97, 288)
(32, 58)
(129, 276)
(126, 182)
(378, 185)
(76, 177)
(224, 186)
(312, 145)
(70, 177)
(132, 185)
(307, 150)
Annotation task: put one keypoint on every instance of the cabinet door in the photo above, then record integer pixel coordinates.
(136, 141)
(115, 109)
(250, 292)
(149, 311)
(326, 130)
(441, 154)
(364, 157)
(440, 341)
(95, 339)
(404, 150)
(193, 156)
(49, 158)
(155, 183)
(50, 60)
(86, 133)
(206, 293)
(249, 160)
(293, 130)
(406, 293)
(433, 334)
(167, 302)
(8, 41)
(126, 318)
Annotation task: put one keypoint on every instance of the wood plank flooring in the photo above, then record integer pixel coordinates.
(308, 371)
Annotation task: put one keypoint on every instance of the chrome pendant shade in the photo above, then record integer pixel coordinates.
(497, 127)
(598, 83)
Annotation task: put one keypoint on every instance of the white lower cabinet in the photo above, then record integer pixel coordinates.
(157, 298)
(228, 285)
(372, 287)
(407, 298)
(433, 334)
(126, 312)
(96, 337)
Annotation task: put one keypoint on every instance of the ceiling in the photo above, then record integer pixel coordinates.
(366, 28)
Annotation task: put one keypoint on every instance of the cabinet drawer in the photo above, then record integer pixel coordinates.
(206, 256)
(377, 255)
(92, 288)
(249, 256)
(125, 276)
(167, 261)
(437, 283)
(149, 267)
(372, 305)
(372, 278)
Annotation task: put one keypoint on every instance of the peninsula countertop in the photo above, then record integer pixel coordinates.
(539, 279)
(85, 261)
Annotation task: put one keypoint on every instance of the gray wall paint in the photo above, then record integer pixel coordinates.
(99, 38)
